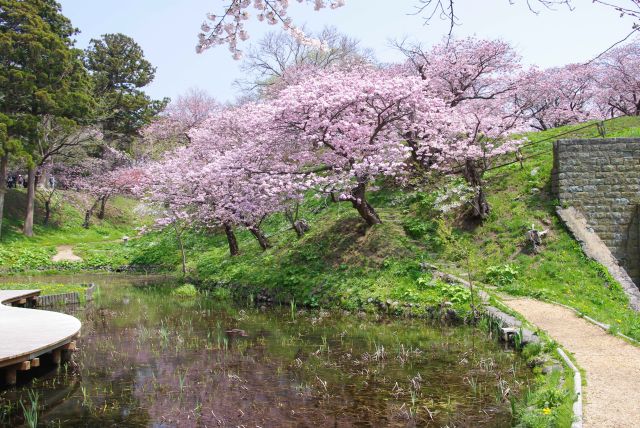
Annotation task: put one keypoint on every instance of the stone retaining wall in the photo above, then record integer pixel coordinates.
(601, 178)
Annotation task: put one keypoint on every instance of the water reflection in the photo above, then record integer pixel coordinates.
(148, 358)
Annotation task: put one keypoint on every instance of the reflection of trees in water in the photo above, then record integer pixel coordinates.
(149, 358)
(188, 369)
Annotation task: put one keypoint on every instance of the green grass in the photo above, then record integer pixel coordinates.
(100, 246)
(560, 272)
(47, 288)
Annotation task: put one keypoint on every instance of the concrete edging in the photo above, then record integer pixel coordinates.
(72, 298)
(595, 249)
(577, 389)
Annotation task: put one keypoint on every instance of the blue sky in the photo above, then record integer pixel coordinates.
(166, 30)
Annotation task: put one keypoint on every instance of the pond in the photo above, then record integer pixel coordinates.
(148, 358)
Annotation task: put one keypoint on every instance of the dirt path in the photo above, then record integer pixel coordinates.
(612, 365)
(65, 253)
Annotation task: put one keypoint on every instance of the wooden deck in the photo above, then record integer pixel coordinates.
(26, 334)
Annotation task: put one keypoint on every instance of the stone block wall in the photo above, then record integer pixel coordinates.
(601, 178)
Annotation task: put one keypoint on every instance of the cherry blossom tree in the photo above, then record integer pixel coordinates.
(99, 178)
(618, 81)
(248, 172)
(556, 96)
(171, 128)
(350, 128)
(476, 79)
(484, 132)
(229, 176)
(229, 27)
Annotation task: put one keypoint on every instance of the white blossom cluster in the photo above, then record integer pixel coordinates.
(455, 195)
(229, 28)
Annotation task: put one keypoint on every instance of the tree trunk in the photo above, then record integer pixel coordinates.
(31, 196)
(301, 227)
(47, 211)
(231, 239)
(103, 203)
(473, 175)
(359, 202)
(259, 235)
(182, 253)
(89, 213)
(4, 161)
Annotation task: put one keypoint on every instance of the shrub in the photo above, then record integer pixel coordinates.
(186, 290)
(454, 293)
(501, 275)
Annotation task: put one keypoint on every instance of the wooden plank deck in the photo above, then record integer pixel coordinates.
(26, 334)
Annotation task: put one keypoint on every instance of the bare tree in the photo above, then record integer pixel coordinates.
(446, 9)
(267, 62)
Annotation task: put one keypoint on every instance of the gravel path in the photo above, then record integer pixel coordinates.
(612, 365)
(65, 253)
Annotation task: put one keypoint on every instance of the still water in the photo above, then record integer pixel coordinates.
(148, 358)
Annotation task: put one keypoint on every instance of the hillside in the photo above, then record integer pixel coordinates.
(340, 262)
(19, 254)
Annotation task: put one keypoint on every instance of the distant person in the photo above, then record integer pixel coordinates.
(20, 181)
(52, 182)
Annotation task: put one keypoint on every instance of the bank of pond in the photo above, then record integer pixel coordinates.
(149, 356)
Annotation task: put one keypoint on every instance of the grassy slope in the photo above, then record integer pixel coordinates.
(339, 261)
(560, 272)
(18, 253)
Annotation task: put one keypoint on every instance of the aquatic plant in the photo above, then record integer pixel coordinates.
(30, 414)
(182, 378)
